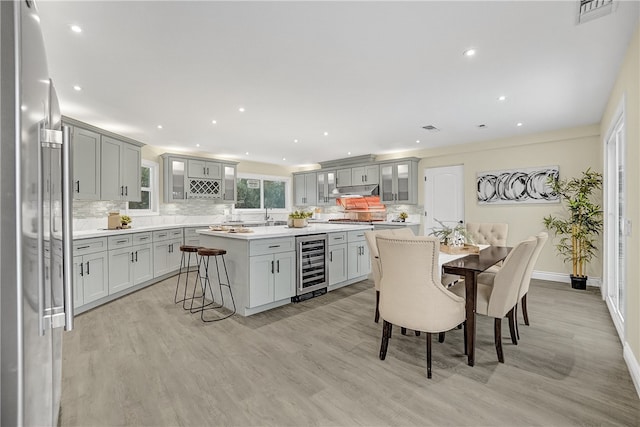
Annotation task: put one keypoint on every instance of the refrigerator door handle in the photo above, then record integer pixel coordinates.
(40, 232)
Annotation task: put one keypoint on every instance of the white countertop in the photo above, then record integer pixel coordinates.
(284, 231)
(85, 234)
(396, 223)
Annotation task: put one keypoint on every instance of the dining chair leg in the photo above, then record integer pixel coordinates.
(428, 354)
(464, 326)
(403, 331)
(525, 314)
(497, 332)
(377, 315)
(512, 325)
(441, 337)
(386, 334)
(417, 333)
(515, 316)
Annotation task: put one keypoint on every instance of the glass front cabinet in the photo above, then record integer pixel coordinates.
(399, 182)
(179, 171)
(326, 186)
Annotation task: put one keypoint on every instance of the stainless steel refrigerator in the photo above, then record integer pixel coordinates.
(36, 301)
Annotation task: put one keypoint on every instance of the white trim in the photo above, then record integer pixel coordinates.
(617, 320)
(632, 364)
(563, 278)
(155, 191)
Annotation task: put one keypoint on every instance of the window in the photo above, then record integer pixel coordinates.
(260, 192)
(148, 204)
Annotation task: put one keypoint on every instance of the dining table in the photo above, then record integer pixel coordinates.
(469, 266)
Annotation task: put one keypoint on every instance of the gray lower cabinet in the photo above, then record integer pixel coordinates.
(90, 270)
(166, 251)
(272, 266)
(192, 238)
(359, 262)
(337, 258)
(129, 264)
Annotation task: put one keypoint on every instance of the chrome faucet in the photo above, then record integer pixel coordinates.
(266, 213)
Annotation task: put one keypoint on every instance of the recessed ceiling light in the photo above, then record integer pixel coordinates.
(246, 154)
(295, 141)
(502, 98)
(348, 153)
(417, 141)
(241, 109)
(76, 29)
(198, 145)
(326, 134)
(78, 88)
(23, 107)
(159, 126)
(215, 122)
(284, 158)
(469, 52)
(519, 124)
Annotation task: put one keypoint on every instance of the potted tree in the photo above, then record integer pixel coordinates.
(578, 230)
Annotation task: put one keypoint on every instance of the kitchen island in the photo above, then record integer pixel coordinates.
(262, 262)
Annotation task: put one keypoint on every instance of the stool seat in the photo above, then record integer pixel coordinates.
(211, 252)
(189, 248)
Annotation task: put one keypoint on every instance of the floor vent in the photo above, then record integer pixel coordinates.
(592, 9)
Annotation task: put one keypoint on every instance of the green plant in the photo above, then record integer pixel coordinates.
(579, 229)
(300, 215)
(447, 234)
(125, 219)
(403, 215)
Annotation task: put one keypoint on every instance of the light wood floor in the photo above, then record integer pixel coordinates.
(141, 360)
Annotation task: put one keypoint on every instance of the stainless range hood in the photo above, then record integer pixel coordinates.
(356, 190)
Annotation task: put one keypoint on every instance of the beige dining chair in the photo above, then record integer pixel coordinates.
(488, 277)
(488, 233)
(411, 295)
(499, 301)
(375, 260)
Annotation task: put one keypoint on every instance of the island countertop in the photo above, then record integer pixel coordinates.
(284, 231)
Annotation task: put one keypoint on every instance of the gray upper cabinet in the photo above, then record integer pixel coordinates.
(205, 169)
(120, 170)
(304, 189)
(326, 185)
(365, 175)
(86, 164)
(198, 178)
(359, 175)
(399, 182)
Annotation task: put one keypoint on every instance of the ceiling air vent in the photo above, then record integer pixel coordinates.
(431, 128)
(592, 9)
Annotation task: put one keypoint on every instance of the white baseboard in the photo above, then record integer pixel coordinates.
(632, 364)
(563, 278)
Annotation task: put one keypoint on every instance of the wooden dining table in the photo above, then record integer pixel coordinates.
(469, 267)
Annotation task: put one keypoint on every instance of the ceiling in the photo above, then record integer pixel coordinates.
(370, 74)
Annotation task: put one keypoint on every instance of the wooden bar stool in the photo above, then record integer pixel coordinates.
(187, 251)
(203, 274)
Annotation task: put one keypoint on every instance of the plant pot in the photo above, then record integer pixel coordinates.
(299, 222)
(578, 282)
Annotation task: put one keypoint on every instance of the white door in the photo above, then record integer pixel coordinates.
(443, 196)
(617, 228)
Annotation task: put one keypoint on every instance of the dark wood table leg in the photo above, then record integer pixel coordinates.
(471, 286)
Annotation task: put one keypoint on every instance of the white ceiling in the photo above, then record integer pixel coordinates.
(371, 74)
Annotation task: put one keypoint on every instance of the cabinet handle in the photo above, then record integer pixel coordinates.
(143, 238)
(122, 190)
(82, 247)
(171, 248)
(126, 190)
(77, 186)
(271, 267)
(274, 246)
(207, 171)
(81, 269)
(365, 178)
(131, 256)
(278, 266)
(136, 256)
(122, 241)
(162, 235)
(88, 268)
(330, 256)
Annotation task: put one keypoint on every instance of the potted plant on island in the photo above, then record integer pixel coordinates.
(583, 223)
(298, 219)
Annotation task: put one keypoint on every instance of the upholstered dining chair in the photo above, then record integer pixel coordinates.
(411, 295)
(488, 233)
(489, 277)
(375, 260)
(499, 301)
